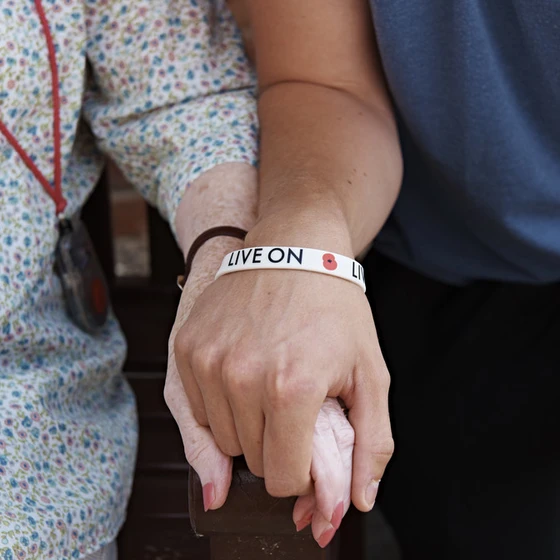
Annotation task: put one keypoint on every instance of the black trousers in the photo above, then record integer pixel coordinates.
(475, 406)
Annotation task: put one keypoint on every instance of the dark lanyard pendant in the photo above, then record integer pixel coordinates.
(85, 290)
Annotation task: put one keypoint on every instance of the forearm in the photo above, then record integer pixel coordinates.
(330, 168)
(224, 196)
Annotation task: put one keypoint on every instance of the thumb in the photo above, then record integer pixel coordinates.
(212, 466)
(369, 416)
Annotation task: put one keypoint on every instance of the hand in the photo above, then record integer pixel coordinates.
(201, 451)
(333, 439)
(259, 355)
(331, 470)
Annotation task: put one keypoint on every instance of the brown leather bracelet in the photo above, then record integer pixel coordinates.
(220, 231)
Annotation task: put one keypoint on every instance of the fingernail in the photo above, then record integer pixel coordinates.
(303, 523)
(208, 495)
(326, 537)
(336, 519)
(371, 492)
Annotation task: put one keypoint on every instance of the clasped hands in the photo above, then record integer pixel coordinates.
(257, 362)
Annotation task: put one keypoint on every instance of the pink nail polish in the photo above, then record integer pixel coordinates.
(336, 519)
(208, 495)
(326, 537)
(300, 525)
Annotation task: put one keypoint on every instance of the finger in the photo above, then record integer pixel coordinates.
(249, 417)
(303, 511)
(369, 415)
(291, 407)
(345, 441)
(306, 507)
(323, 531)
(178, 355)
(212, 466)
(221, 421)
(241, 378)
(327, 469)
(250, 434)
(333, 484)
(209, 404)
(216, 405)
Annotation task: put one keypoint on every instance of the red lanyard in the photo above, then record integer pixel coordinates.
(54, 191)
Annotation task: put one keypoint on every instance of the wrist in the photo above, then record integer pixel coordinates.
(223, 196)
(209, 257)
(311, 228)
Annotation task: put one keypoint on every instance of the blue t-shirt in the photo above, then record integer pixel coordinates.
(476, 85)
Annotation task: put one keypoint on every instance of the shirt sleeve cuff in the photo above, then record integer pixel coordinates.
(223, 130)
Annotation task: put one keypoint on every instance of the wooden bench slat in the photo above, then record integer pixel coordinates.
(252, 525)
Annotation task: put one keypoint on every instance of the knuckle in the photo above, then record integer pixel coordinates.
(384, 380)
(197, 455)
(206, 358)
(384, 449)
(173, 391)
(181, 342)
(287, 387)
(283, 488)
(229, 447)
(240, 371)
(168, 395)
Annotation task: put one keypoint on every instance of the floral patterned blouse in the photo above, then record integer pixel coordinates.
(168, 94)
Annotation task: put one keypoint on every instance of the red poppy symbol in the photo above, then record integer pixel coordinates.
(329, 261)
(98, 296)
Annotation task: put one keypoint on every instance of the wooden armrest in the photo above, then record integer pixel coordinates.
(252, 524)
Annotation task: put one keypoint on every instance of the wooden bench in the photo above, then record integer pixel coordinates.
(252, 525)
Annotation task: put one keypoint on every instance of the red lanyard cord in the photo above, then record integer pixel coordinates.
(54, 191)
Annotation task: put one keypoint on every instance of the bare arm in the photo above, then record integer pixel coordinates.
(262, 349)
(223, 196)
(227, 195)
(330, 158)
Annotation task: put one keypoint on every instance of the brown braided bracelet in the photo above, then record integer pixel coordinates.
(227, 231)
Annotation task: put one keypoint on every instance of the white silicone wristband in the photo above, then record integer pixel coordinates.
(294, 258)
